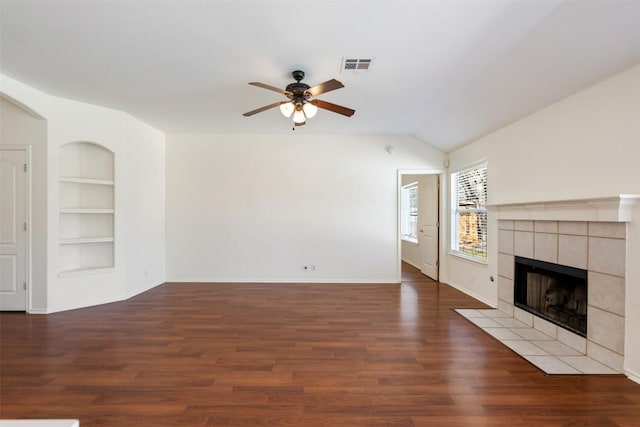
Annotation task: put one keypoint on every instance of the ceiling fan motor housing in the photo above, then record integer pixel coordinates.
(297, 88)
(298, 75)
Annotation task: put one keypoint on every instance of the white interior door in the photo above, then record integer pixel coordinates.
(13, 235)
(428, 225)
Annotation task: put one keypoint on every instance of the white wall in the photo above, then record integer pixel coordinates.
(21, 127)
(139, 198)
(144, 219)
(249, 208)
(585, 146)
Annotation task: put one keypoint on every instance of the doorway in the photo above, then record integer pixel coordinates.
(13, 229)
(419, 213)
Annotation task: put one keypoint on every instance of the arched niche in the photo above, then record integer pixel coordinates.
(87, 208)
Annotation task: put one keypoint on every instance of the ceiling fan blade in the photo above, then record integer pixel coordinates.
(266, 107)
(273, 88)
(333, 107)
(325, 87)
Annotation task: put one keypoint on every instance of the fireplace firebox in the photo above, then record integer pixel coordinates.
(557, 293)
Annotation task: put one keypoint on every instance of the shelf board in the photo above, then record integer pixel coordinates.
(83, 240)
(86, 211)
(86, 180)
(85, 270)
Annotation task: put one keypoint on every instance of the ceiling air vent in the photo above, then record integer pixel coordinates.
(350, 64)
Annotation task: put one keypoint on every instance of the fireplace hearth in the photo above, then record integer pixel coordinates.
(557, 293)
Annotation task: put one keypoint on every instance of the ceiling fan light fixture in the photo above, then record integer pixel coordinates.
(287, 109)
(309, 109)
(298, 115)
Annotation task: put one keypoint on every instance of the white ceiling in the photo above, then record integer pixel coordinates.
(446, 71)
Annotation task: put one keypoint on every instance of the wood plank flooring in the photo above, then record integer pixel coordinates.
(289, 355)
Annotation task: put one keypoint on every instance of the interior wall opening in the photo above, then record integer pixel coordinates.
(419, 221)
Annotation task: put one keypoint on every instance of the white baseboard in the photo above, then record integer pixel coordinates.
(473, 295)
(218, 280)
(78, 305)
(633, 376)
(142, 290)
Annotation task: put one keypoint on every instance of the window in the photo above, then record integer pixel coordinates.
(469, 212)
(409, 212)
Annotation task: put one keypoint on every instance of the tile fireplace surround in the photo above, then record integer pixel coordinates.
(599, 248)
(586, 234)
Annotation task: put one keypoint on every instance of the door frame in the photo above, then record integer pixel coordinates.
(27, 151)
(441, 218)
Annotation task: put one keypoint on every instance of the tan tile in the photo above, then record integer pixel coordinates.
(484, 322)
(572, 251)
(556, 348)
(586, 365)
(521, 225)
(510, 322)
(505, 289)
(576, 228)
(493, 313)
(505, 266)
(505, 307)
(545, 247)
(502, 334)
(469, 312)
(574, 341)
(605, 329)
(523, 244)
(551, 365)
(525, 348)
(505, 224)
(607, 256)
(607, 292)
(505, 242)
(612, 230)
(605, 356)
(545, 327)
(545, 227)
(530, 334)
(523, 316)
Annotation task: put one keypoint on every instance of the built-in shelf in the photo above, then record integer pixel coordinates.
(85, 240)
(87, 243)
(86, 180)
(85, 270)
(86, 211)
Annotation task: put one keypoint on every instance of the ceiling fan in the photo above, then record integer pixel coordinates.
(302, 104)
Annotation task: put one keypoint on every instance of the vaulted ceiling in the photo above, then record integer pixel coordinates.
(445, 71)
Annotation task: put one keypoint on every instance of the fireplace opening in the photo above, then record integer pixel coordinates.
(557, 293)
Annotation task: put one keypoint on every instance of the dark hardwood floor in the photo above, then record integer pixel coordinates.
(289, 355)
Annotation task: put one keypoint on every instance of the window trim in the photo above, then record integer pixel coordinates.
(453, 245)
(406, 237)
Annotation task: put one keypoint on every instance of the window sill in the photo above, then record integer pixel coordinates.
(481, 261)
(410, 240)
